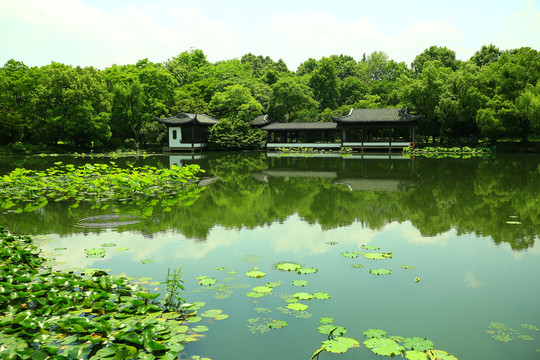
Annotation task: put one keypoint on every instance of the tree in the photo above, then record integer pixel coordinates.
(486, 55)
(291, 101)
(323, 82)
(446, 57)
(235, 103)
(528, 105)
(235, 134)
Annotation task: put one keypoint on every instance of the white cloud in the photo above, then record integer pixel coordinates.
(522, 28)
(471, 280)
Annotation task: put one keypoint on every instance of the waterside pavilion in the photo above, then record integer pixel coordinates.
(188, 131)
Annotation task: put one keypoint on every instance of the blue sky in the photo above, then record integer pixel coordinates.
(104, 32)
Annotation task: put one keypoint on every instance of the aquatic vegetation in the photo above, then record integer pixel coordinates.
(122, 249)
(307, 271)
(258, 325)
(102, 184)
(331, 243)
(108, 245)
(417, 343)
(417, 279)
(384, 346)
(173, 287)
(255, 274)
(502, 333)
(232, 272)
(375, 256)
(95, 253)
(262, 310)
(299, 283)
(321, 295)
(329, 328)
(147, 261)
(407, 267)
(221, 268)
(288, 266)
(350, 255)
(200, 328)
(277, 324)
(326, 320)
(370, 247)
(303, 296)
(415, 355)
(207, 281)
(530, 327)
(297, 306)
(374, 333)
(339, 344)
(262, 289)
(380, 271)
(273, 284)
(357, 266)
(255, 294)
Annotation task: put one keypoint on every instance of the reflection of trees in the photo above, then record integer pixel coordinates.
(472, 196)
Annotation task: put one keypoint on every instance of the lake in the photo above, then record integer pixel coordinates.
(462, 233)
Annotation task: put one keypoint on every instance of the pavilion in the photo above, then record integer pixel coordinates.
(188, 131)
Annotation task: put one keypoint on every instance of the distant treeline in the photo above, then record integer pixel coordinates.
(494, 94)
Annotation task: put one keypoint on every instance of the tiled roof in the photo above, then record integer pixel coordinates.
(261, 120)
(376, 115)
(187, 118)
(300, 126)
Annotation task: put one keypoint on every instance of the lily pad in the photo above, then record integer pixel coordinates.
(207, 281)
(370, 247)
(297, 306)
(350, 255)
(380, 271)
(221, 268)
(145, 278)
(326, 320)
(108, 245)
(374, 333)
(288, 266)
(277, 324)
(415, 355)
(273, 284)
(374, 256)
(299, 282)
(200, 328)
(441, 354)
(303, 296)
(321, 295)
(417, 343)
(95, 253)
(255, 274)
(397, 338)
(254, 294)
(336, 330)
(357, 266)
(221, 317)
(147, 261)
(307, 271)
(339, 345)
(530, 327)
(291, 300)
(262, 289)
(211, 313)
(122, 249)
(193, 319)
(384, 346)
(407, 267)
(331, 243)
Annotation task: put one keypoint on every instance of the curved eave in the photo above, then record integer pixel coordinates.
(346, 121)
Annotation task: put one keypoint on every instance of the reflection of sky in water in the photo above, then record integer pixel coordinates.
(465, 283)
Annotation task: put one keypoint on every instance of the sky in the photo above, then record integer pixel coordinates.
(101, 33)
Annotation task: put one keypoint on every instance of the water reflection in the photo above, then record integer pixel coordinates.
(496, 198)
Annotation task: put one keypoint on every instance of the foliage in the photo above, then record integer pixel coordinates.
(235, 134)
(173, 286)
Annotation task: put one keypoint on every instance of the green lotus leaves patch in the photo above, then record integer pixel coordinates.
(221, 317)
(95, 253)
(326, 320)
(273, 284)
(291, 300)
(357, 266)
(232, 272)
(288, 266)
(407, 267)
(441, 354)
(321, 295)
(255, 294)
(418, 343)
(193, 319)
(398, 339)
(339, 345)
(384, 346)
(370, 247)
(380, 271)
(502, 333)
(303, 296)
(262, 289)
(299, 283)
(297, 306)
(277, 324)
(108, 245)
(374, 256)
(200, 328)
(221, 268)
(415, 355)
(530, 327)
(255, 274)
(211, 313)
(207, 281)
(329, 328)
(374, 333)
(331, 243)
(122, 249)
(350, 255)
(147, 261)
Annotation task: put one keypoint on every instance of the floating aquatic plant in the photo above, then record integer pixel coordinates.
(273, 284)
(207, 281)
(299, 282)
(380, 271)
(307, 271)
(211, 313)
(277, 324)
(375, 256)
(288, 266)
(108, 245)
(357, 266)
(350, 254)
(232, 272)
(329, 328)
(122, 249)
(407, 267)
(255, 294)
(415, 355)
(440, 354)
(326, 320)
(297, 306)
(262, 310)
(370, 247)
(303, 296)
(95, 253)
(384, 346)
(262, 289)
(374, 333)
(221, 268)
(147, 261)
(530, 327)
(200, 328)
(339, 345)
(418, 343)
(321, 295)
(255, 274)
(331, 242)
(258, 325)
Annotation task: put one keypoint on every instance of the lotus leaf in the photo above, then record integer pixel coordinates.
(370, 247)
(200, 328)
(526, 337)
(440, 354)
(262, 289)
(221, 268)
(417, 343)
(303, 296)
(122, 249)
(380, 271)
(108, 244)
(197, 305)
(307, 271)
(407, 267)
(255, 274)
(255, 294)
(61, 248)
(277, 324)
(326, 320)
(262, 310)
(232, 272)
(374, 333)
(147, 261)
(207, 281)
(211, 313)
(339, 345)
(297, 306)
(374, 256)
(384, 346)
(145, 278)
(288, 266)
(397, 338)
(415, 355)
(194, 319)
(299, 282)
(357, 266)
(349, 254)
(95, 252)
(273, 284)
(530, 327)
(331, 242)
(221, 317)
(329, 328)
(202, 277)
(321, 295)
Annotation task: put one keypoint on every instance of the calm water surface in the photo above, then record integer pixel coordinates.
(469, 227)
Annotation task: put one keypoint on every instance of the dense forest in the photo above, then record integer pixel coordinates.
(493, 95)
